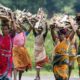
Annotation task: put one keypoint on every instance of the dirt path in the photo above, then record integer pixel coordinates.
(44, 78)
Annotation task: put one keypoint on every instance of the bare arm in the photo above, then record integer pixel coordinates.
(13, 25)
(78, 32)
(45, 31)
(71, 35)
(73, 24)
(74, 27)
(76, 45)
(13, 21)
(54, 34)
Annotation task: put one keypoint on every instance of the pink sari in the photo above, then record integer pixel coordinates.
(21, 58)
(19, 39)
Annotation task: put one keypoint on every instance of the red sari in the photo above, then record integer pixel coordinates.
(5, 48)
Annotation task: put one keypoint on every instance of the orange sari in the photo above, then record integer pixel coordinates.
(60, 66)
(21, 58)
(73, 52)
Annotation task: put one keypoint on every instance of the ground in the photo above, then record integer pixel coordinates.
(45, 75)
(44, 78)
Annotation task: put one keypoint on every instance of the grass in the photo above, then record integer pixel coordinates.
(49, 49)
(75, 70)
(30, 46)
(47, 73)
(33, 72)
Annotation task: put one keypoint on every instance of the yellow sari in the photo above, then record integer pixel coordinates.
(60, 68)
(21, 58)
(73, 51)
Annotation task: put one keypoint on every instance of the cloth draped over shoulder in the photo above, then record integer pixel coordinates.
(73, 50)
(19, 39)
(21, 58)
(60, 66)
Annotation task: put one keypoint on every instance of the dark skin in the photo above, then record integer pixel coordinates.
(5, 30)
(37, 32)
(19, 29)
(78, 33)
(73, 29)
(58, 34)
(54, 33)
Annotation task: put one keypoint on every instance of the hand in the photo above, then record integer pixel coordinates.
(73, 24)
(11, 16)
(51, 26)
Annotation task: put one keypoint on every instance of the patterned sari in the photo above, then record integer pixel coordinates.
(21, 58)
(78, 59)
(61, 59)
(73, 53)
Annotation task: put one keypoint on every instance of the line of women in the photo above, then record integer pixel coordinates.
(12, 43)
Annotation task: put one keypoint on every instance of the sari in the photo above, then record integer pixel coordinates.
(73, 53)
(61, 60)
(78, 59)
(21, 58)
(6, 49)
(39, 52)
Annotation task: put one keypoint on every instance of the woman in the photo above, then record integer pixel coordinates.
(78, 34)
(6, 49)
(62, 38)
(40, 33)
(21, 58)
(73, 53)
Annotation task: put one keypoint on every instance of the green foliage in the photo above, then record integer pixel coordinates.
(51, 6)
(48, 46)
(30, 46)
(77, 6)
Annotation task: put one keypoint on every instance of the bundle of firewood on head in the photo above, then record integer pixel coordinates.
(5, 12)
(63, 21)
(25, 18)
(5, 15)
(22, 20)
(41, 14)
(40, 24)
(57, 22)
